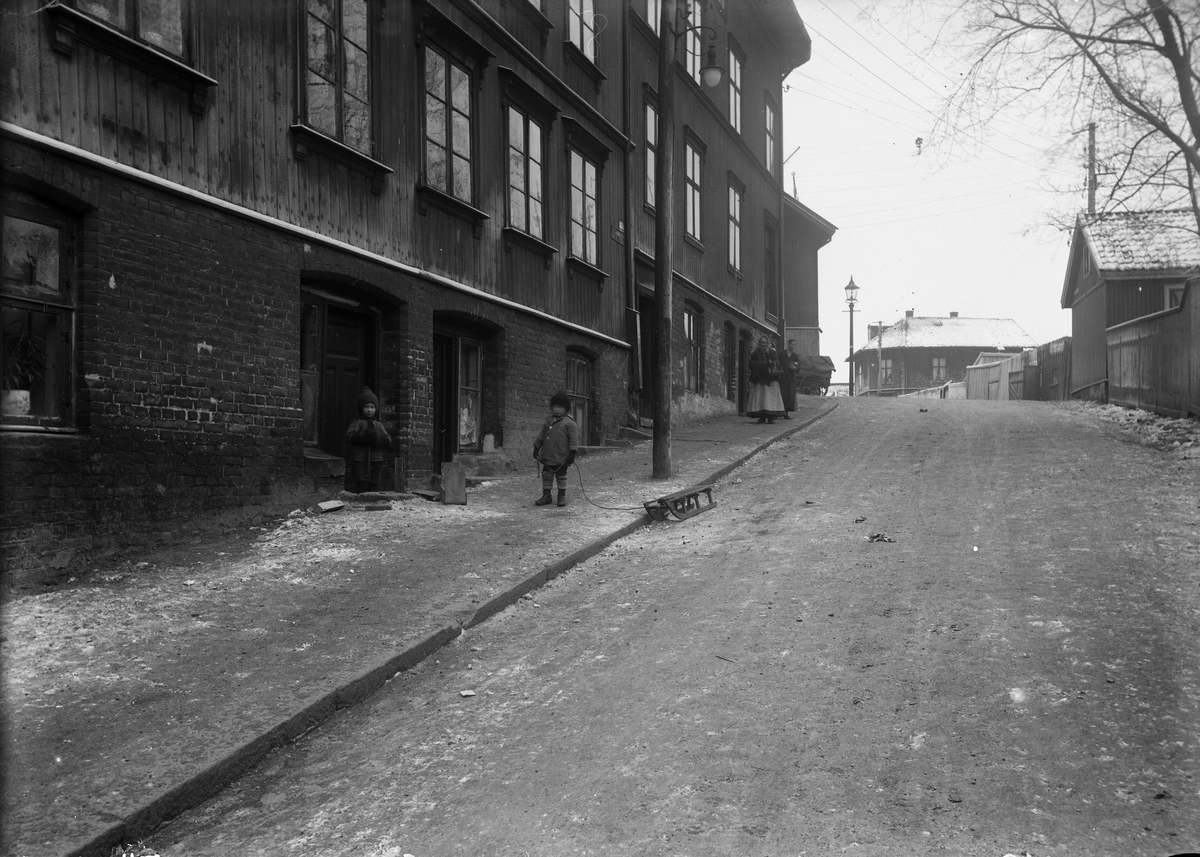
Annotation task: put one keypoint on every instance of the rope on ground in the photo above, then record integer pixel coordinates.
(579, 474)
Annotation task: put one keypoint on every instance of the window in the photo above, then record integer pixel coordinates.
(692, 223)
(448, 132)
(654, 15)
(470, 386)
(770, 270)
(338, 74)
(693, 59)
(651, 148)
(581, 27)
(885, 372)
(525, 173)
(730, 363)
(37, 305)
(155, 22)
(735, 226)
(585, 209)
(579, 388)
(770, 144)
(939, 368)
(691, 340)
(735, 91)
(1174, 295)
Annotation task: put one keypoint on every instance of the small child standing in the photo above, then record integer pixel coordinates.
(556, 447)
(368, 439)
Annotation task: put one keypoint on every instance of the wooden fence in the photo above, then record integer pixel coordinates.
(1154, 361)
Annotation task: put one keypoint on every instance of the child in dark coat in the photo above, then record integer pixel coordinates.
(555, 448)
(368, 439)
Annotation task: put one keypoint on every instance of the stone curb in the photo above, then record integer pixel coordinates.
(218, 776)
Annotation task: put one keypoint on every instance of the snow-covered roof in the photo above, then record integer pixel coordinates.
(986, 334)
(1135, 241)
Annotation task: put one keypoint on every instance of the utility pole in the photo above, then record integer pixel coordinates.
(1091, 169)
(664, 234)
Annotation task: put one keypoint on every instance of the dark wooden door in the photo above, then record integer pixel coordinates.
(345, 374)
(649, 356)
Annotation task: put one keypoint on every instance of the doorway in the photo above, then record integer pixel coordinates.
(457, 396)
(338, 348)
(648, 356)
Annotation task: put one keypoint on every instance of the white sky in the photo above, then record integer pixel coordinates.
(934, 232)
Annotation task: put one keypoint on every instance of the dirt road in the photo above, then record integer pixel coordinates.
(1019, 670)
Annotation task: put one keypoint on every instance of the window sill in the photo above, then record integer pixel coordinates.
(737, 272)
(305, 139)
(572, 53)
(649, 209)
(575, 265)
(32, 428)
(694, 242)
(512, 236)
(68, 26)
(427, 196)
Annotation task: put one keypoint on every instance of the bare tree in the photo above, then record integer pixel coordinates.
(1130, 66)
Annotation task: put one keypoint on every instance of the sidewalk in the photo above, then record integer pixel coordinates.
(137, 691)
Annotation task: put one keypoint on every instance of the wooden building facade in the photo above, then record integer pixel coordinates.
(223, 219)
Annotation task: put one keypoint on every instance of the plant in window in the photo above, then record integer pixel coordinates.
(23, 367)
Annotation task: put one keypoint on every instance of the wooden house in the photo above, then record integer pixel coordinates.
(731, 274)
(923, 351)
(222, 219)
(1126, 266)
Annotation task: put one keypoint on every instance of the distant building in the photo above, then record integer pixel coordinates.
(920, 351)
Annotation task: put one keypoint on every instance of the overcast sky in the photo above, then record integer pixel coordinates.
(927, 229)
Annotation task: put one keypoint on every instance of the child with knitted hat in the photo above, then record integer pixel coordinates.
(555, 448)
(368, 439)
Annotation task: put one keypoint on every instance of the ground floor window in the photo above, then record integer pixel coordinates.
(939, 368)
(579, 388)
(37, 303)
(885, 372)
(691, 356)
(730, 364)
(470, 373)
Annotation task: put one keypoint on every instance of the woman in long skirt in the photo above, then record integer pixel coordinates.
(766, 403)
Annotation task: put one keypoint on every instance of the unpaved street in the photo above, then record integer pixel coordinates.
(1017, 671)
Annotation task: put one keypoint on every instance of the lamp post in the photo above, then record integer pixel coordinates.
(852, 299)
(664, 217)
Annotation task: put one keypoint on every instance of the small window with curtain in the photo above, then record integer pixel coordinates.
(735, 90)
(939, 368)
(736, 189)
(694, 55)
(771, 138)
(581, 27)
(338, 71)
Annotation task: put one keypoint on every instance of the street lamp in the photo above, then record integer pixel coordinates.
(664, 221)
(852, 299)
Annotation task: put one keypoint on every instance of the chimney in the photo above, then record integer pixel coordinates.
(954, 315)
(908, 313)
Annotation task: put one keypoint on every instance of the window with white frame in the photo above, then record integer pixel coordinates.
(770, 137)
(885, 372)
(694, 22)
(692, 191)
(654, 14)
(338, 73)
(156, 22)
(526, 171)
(651, 149)
(692, 341)
(735, 90)
(449, 151)
(939, 369)
(585, 209)
(581, 27)
(735, 225)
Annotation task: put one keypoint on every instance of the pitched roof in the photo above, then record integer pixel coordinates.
(1143, 241)
(986, 334)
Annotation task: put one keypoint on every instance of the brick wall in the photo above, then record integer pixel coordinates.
(187, 369)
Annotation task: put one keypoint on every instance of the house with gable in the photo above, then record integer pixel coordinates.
(922, 351)
(1123, 267)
